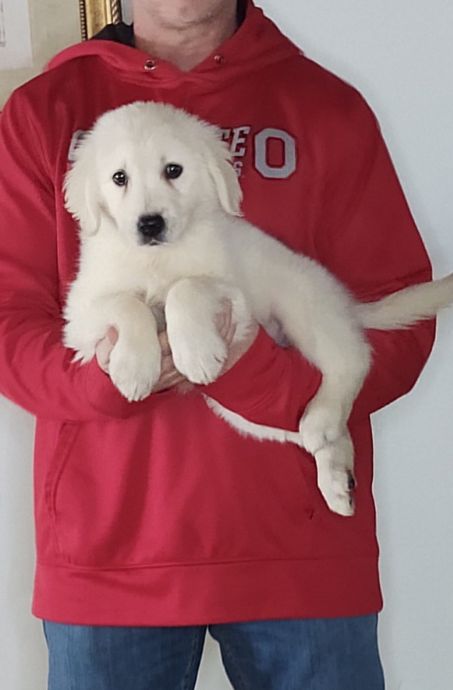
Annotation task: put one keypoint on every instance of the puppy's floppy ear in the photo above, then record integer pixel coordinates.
(223, 175)
(81, 188)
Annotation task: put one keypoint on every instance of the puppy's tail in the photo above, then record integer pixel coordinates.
(407, 306)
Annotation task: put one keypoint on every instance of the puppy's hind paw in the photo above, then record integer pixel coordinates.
(336, 479)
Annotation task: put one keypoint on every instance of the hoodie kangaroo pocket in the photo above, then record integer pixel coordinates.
(132, 495)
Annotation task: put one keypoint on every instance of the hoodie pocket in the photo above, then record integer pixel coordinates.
(128, 496)
(99, 495)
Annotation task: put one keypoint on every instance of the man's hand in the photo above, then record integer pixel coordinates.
(170, 377)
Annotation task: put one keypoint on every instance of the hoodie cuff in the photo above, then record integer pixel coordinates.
(102, 395)
(105, 399)
(269, 385)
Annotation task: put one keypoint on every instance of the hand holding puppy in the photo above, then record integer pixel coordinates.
(170, 376)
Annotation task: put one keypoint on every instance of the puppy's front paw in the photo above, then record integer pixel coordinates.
(198, 356)
(336, 480)
(134, 369)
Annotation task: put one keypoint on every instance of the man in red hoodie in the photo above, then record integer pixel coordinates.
(156, 521)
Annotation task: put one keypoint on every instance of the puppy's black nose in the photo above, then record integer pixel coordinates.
(151, 226)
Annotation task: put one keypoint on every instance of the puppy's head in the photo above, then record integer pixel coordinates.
(150, 171)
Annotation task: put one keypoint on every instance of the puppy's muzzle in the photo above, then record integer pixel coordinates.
(151, 229)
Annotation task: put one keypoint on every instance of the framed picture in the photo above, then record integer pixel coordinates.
(95, 14)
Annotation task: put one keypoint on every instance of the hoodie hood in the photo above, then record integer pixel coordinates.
(257, 43)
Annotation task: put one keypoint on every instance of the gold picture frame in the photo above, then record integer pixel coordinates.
(95, 14)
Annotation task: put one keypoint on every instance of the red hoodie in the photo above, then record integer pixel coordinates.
(159, 513)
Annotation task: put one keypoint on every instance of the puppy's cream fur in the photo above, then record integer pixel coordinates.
(208, 253)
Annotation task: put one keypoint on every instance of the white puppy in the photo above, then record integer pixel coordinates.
(157, 202)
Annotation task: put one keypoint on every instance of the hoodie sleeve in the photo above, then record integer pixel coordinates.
(366, 236)
(36, 370)
(370, 241)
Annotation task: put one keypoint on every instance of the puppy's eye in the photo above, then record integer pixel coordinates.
(120, 178)
(173, 170)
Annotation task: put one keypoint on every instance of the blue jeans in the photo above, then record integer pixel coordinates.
(321, 654)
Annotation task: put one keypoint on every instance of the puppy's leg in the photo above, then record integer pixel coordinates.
(192, 304)
(135, 360)
(323, 328)
(334, 343)
(324, 432)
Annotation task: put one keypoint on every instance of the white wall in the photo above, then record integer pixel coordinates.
(400, 54)
(54, 25)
